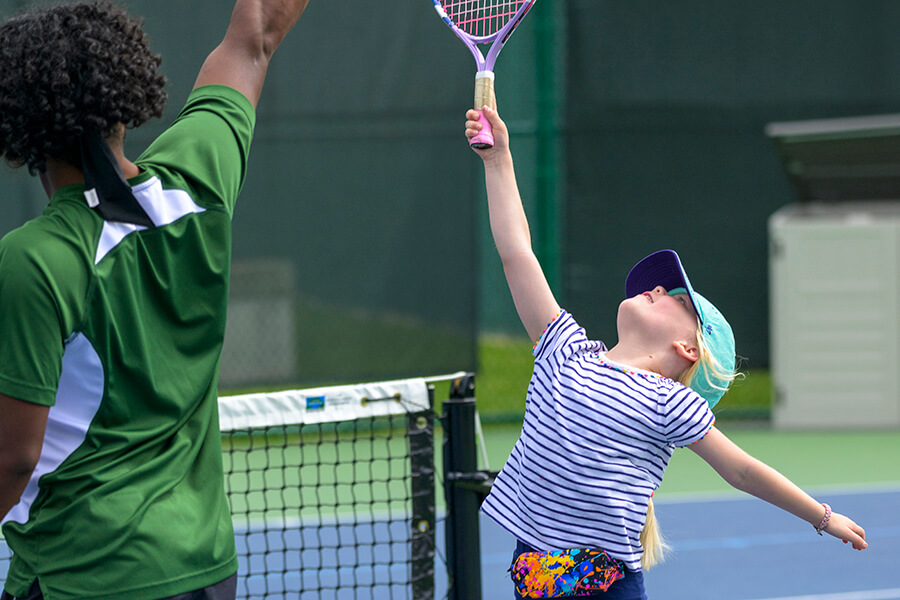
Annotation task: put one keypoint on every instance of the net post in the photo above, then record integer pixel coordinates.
(462, 537)
(422, 544)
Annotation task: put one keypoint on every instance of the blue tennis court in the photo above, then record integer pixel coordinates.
(739, 548)
(729, 546)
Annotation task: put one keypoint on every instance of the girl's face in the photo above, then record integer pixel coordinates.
(658, 318)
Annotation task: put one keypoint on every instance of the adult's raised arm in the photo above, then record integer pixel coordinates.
(256, 29)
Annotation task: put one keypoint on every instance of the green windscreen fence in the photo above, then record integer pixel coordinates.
(666, 109)
(361, 246)
(355, 234)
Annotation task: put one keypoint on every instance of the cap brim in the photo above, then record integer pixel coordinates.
(660, 268)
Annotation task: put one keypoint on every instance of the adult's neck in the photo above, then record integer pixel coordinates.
(59, 174)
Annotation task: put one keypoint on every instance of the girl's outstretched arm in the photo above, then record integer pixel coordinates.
(754, 477)
(529, 288)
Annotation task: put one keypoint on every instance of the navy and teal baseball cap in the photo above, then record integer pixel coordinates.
(664, 268)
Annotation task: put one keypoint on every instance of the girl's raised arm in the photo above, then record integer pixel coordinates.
(509, 226)
(755, 477)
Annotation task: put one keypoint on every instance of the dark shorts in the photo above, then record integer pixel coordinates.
(631, 587)
(224, 590)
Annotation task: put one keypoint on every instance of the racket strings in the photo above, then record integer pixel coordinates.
(481, 18)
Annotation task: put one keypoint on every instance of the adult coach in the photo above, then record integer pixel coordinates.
(112, 305)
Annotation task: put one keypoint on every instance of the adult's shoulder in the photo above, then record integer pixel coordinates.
(206, 150)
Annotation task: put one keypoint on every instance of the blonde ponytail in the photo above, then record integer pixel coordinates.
(655, 546)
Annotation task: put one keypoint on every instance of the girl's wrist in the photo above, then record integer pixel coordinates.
(498, 161)
(823, 524)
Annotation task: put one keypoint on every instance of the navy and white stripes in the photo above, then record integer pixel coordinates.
(595, 442)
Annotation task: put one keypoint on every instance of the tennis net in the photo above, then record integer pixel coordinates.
(331, 491)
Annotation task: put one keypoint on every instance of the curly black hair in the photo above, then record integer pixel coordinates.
(68, 69)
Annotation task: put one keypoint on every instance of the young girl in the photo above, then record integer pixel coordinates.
(601, 424)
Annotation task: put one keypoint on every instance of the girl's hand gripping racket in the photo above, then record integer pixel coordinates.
(483, 22)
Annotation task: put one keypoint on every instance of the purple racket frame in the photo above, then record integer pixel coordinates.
(484, 77)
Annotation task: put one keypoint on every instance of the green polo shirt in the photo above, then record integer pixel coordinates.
(119, 330)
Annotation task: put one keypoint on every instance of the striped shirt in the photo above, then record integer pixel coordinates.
(596, 439)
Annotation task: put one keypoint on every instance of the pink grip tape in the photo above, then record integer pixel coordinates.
(485, 137)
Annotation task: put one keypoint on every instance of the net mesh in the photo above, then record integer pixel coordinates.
(481, 18)
(331, 492)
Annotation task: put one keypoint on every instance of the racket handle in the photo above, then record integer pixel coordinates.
(484, 96)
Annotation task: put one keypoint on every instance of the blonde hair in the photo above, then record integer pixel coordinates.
(707, 364)
(655, 546)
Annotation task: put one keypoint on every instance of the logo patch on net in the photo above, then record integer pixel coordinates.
(315, 403)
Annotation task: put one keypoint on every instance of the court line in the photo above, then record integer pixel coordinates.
(893, 594)
(756, 540)
(736, 542)
(749, 541)
(733, 494)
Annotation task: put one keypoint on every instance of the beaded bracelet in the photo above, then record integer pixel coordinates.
(821, 527)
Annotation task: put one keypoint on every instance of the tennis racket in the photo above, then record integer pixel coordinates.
(483, 22)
